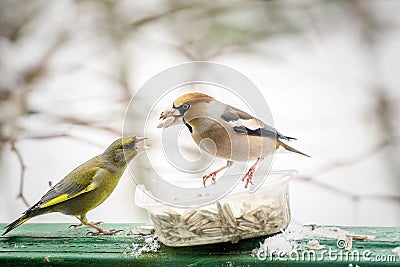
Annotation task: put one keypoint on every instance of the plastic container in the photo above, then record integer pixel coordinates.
(239, 215)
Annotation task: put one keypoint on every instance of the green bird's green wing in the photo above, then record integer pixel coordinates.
(69, 187)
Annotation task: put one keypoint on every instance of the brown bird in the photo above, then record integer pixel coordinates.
(235, 134)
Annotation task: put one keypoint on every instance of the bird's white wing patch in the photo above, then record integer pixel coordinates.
(252, 124)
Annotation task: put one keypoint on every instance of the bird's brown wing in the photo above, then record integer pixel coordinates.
(244, 123)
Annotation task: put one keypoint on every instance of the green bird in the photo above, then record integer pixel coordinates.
(87, 186)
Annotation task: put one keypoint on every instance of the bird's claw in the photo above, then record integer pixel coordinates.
(248, 177)
(250, 173)
(212, 175)
(81, 224)
(75, 225)
(104, 232)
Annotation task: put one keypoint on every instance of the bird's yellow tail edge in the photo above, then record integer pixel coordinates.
(15, 224)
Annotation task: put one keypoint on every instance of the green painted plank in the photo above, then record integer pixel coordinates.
(56, 244)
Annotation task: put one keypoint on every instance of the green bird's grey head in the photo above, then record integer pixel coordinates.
(123, 150)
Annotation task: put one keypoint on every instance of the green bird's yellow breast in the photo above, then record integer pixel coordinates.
(87, 201)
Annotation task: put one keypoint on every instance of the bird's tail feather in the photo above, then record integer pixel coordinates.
(289, 148)
(17, 223)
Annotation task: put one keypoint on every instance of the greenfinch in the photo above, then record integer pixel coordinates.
(235, 134)
(87, 186)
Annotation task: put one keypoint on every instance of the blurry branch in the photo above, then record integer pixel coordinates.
(17, 97)
(40, 69)
(386, 116)
(21, 160)
(336, 190)
(22, 173)
(11, 29)
(374, 28)
(348, 162)
(42, 137)
(52, 136)
(87, 123)
(62, 135)
(373, 25)
(357, 158)
(135, 25)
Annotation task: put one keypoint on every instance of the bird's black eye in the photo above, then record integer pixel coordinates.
(183, 108)
(128, 145)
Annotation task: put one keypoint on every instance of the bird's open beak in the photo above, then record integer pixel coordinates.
(169, 117)
(141, 147)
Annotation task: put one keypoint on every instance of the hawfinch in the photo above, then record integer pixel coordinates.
(235, 134)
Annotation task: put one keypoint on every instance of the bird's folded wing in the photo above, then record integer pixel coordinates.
(67, 189)
(244, 123)
(257, 132)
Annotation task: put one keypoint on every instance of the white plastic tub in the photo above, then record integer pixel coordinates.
(239, 215)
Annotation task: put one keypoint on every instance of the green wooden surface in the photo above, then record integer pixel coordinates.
(56, 244)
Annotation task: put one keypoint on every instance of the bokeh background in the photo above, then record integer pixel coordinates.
(329, 71)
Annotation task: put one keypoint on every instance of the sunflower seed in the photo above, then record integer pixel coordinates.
(212, 232)
(162, 216)
(250, 218)
(195, 218)
(209, 215)
(187, 214)
(210, 225)
(226, 215)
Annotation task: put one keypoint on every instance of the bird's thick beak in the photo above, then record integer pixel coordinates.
(169, 117)
(142, 147)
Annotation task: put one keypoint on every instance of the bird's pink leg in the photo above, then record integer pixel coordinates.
(101, 230)
(84, 221)
(250, 173)
(213, 175)
(81, 224)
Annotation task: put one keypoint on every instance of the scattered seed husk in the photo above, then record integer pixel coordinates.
(314, 245)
